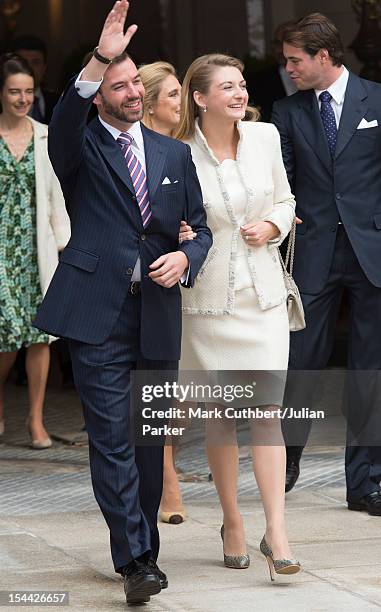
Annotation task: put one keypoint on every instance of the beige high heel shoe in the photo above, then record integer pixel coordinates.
(175, 517)
(235, 561)
(38, 444)
(278, 566)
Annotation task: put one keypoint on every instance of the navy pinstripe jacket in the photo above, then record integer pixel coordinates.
(90, 284)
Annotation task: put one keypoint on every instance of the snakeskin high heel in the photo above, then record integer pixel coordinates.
(278, 566)
(235, 561)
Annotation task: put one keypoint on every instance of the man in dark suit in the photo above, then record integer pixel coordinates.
(34, 51)
(115, 293)
(331, 141)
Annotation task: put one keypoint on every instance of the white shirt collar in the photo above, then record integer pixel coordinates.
(338, 88)
(135, 131)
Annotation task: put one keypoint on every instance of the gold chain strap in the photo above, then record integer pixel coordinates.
(288, 262)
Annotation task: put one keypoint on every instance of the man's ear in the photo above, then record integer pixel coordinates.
(323, 55)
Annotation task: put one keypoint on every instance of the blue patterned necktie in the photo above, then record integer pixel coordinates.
(138, 176)
(329, 120)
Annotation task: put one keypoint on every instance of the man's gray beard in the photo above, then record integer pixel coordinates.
(117, 113)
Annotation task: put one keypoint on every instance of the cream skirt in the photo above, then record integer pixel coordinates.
(250, 340)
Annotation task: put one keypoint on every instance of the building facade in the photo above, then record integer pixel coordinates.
(176, 30)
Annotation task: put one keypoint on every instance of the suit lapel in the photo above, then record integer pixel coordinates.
(311, 125)
(112, 152)
(155, 155)
(354, 109)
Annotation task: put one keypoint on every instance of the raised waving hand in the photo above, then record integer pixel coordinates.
(113, 40)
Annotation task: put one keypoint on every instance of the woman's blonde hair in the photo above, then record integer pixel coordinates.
(198, 78)
(152, 76)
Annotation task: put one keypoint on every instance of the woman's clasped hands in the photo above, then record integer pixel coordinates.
(258, 234)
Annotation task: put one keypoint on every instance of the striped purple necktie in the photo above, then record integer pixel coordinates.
(138, 176)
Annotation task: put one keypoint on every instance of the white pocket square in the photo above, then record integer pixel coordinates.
(166, 181)
(364, 124)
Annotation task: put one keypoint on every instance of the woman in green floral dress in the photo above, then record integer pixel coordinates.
(21, 262)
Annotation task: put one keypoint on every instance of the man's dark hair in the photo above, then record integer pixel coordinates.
(313, 33)
(29, 42)
(123, 56)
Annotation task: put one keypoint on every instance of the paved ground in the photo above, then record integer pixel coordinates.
(53, 537)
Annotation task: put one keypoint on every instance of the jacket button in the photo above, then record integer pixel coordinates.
(143, 237)
(338, 196)
(133, 198)
(129, 271)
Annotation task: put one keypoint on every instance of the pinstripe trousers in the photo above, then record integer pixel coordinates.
(127, 479)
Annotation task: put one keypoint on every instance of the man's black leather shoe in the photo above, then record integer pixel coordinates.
(155, 569)
(370, 503)
(292, 473)
(140, 582)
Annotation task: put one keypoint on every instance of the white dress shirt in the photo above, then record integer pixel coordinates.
(137, 144)
(337, 91)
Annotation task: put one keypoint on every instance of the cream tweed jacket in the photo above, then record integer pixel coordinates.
(260, 165)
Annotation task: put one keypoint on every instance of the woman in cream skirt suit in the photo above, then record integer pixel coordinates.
(235, 317)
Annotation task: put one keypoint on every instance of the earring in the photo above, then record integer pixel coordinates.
(150, 111)
(205, 108)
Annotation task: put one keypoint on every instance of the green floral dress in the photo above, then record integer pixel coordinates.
(20, 291)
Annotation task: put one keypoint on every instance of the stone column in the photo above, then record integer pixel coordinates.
(256, 27)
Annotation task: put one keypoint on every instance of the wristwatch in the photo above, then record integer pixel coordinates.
(101, 58)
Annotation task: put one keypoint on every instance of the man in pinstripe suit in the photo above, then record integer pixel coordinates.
(115, 293)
